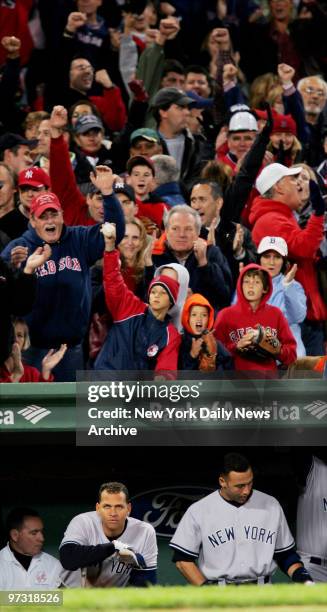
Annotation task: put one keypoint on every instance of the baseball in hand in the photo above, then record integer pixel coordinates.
(108, 230)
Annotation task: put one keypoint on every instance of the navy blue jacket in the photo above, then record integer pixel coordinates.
(63, 302)
(137, 340)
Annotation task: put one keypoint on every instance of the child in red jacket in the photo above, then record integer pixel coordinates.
(236, 326)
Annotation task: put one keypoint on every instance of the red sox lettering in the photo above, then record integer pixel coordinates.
(65, 263)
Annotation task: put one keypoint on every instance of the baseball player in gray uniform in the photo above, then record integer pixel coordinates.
(235, 535)
(108, 548)
(311, 524)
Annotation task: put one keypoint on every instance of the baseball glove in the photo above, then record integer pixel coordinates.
(208, 353)
(264, 344)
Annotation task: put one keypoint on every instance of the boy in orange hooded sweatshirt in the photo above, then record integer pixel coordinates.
(199, 349)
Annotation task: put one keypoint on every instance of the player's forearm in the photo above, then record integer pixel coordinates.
(191, 572)
(74, 556)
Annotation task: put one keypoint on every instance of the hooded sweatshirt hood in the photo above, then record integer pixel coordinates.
(240, 295)
(196, 300)
(183, 278)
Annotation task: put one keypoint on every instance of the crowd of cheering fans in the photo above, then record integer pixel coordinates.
(162, 186)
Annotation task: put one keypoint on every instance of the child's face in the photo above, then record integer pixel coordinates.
(252, 287)
(199, 318)
(159, 299)
(272, 262)
(141, 179)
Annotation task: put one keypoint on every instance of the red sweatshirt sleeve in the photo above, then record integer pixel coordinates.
(302, 243)
(221, 331)
(121, 302)
(168, 358)
(112, 108)
(305, 243)
(64, 185)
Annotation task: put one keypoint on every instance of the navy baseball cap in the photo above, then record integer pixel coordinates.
(170, 95)
(86, 123)
(10, 140)
(126, 189)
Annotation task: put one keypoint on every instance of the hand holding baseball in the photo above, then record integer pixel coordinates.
(108, 231)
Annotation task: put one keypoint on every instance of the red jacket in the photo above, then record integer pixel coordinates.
(31, 374)
(270, 217)
(63, 183)
(233, 322)
(112, 108)
(14, 22)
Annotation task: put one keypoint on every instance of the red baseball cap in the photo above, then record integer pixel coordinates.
(44, 201)
(34, 176)
(284, 123)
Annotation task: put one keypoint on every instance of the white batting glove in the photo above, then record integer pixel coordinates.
(127, 554)
(119, 545)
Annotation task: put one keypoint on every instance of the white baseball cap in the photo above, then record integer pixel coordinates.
(273, 243)
(243, 121)
(271, 174)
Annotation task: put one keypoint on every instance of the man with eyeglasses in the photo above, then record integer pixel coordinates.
(313, 90)
(83, 83)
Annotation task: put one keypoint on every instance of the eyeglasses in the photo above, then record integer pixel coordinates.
(311, 90)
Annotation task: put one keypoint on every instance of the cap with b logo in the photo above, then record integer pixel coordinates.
(43, 202)
(273, 243)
